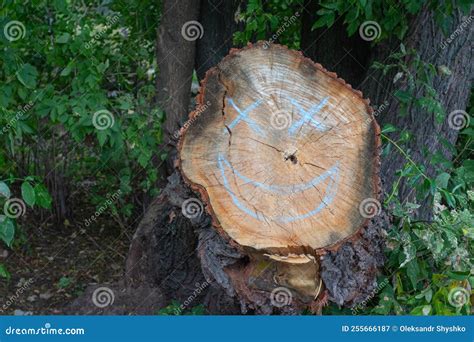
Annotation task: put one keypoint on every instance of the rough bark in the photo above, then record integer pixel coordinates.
(175, 58)
(164, 253)
(426, 37)
(219, 20)
(333, 48)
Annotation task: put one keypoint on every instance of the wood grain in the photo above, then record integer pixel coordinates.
(282, 151)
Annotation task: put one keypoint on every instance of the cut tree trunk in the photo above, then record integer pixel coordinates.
(285, 157)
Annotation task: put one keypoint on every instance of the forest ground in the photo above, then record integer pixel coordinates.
(59, 263)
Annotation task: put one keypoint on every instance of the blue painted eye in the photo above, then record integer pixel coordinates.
(306, 117)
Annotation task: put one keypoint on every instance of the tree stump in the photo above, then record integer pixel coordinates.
(285, 157)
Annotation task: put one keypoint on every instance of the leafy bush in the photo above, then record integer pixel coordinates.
(76, 103)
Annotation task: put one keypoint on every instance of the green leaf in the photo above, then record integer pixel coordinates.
(403, 49)
(459, 275)
(442, 180)
(4, 190)
(63, 39)
(144, 158)
(67, 70)
(389, 128)
(102, 137)
(422, 310)
(7, 231)
(64, 282)
(403, 95)
(27, 75)
(412, 272)
(4, 272)
(28, 194)
(43, 198)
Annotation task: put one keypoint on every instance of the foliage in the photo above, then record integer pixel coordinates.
(391, 15)
(72, 61)
(176, 309)
(263, 20)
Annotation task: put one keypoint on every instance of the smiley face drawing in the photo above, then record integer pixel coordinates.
(283, 155)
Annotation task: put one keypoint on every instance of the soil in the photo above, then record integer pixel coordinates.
(53, 266)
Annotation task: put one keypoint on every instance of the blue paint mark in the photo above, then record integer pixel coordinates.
(285, 189)
(331, 189)
(236, 201)
(308, 116)
(244, 116)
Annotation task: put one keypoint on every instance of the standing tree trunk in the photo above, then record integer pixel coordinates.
(175, 51)
(219, 20)
(426, 37)
(347, 56)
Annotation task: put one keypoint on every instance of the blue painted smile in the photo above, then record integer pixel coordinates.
(331, 189)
